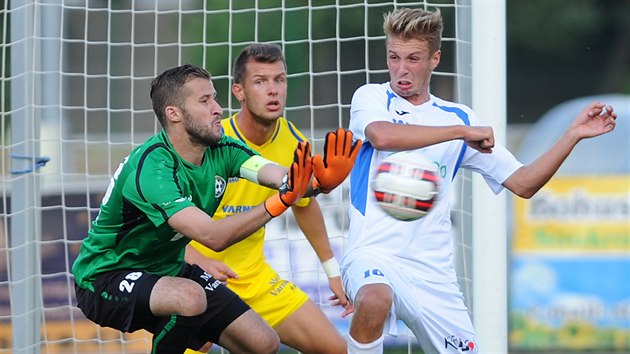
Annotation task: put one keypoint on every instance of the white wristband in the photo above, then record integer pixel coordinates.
(331, 268)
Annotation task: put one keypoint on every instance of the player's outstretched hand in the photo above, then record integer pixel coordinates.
(339, 155)
(594, 120)
(296, 183)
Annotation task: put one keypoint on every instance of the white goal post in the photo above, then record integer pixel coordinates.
(75, 78)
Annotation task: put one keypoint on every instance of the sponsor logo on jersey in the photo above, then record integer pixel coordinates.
(233, 209)
(401, 113)
(219, 186)
(399, 121)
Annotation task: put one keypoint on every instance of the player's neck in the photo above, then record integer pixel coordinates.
(192, 153)
(257, 131)
(418, 99)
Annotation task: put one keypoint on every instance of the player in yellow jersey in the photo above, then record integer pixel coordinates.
(260, 84)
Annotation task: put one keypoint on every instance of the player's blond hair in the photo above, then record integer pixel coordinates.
(415, 24)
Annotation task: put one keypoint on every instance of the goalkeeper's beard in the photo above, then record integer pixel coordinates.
(200, 134)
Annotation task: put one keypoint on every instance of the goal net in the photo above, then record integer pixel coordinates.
(75, 101)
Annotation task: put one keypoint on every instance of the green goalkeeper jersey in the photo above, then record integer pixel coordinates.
(149, 186)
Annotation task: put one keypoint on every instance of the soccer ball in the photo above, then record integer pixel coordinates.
(405, 185)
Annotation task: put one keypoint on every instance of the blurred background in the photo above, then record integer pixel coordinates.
(570, 255)
(563, 49)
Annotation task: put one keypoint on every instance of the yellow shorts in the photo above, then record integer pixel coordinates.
(272, 297)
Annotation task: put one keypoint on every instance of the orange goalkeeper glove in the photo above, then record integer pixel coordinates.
(296, 182)
(339, 156)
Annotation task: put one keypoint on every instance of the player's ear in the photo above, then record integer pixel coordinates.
(237, 91)
(435, 59)
(173, 114)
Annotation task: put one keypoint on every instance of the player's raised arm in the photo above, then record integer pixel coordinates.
(220, 234)
(401, 137)
(594, 120)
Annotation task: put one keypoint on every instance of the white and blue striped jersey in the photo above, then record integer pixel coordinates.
(424, 246)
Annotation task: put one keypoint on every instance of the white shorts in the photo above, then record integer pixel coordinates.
(434, 312)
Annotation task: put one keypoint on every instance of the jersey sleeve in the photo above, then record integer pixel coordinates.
(495, 167)
(155, 189)
(369, 104)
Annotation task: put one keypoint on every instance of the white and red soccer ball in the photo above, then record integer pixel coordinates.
(405, 185)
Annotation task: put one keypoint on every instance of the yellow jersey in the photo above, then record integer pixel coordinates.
(246, 257)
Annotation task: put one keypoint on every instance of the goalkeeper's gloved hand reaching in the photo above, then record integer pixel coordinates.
(339, 155)
(296, 182)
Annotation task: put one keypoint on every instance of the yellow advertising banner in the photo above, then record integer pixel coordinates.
(585, 214)
(570, 267)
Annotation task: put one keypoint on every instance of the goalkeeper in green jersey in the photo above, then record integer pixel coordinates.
(130, 273)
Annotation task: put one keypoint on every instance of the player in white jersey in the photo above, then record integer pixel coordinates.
(430, 252)
(404, 270)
